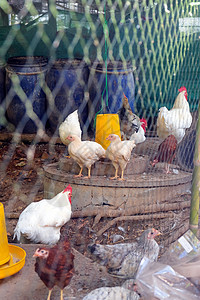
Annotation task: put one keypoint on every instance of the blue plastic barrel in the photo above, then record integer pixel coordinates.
(2, 93)
(26, 99)
(67, 80)
(120, 80)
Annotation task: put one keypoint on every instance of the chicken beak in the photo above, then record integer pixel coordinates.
(36, 254)
(157, 233)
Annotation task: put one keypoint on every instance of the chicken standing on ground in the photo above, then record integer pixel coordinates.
(124, 259)
(166, 152)
(70, 126)
(41, 221)
(113, 293)
(119, 152)
(55, 266)
(176, 120)
(85, 153)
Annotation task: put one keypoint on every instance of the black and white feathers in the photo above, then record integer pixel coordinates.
(123, 259)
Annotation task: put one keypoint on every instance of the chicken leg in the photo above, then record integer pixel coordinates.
(80, 173)
(167, 169)
(89, 173)
(61, 295)
(122, 176)
(49, 295)
(116, 172)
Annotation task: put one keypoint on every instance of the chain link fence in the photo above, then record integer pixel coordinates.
(60, 56)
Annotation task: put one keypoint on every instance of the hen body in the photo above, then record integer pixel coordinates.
(166, 152)
(129, 122)
(70, 126)
(41, 221)
(55, 266)
(112, 293)
(124, 259)
(176, 120)
(85, 153)
(119, 152)
(139, 136)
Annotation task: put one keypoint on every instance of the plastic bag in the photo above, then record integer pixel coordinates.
(156, 280)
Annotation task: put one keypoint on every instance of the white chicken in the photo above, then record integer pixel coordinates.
(139, 136)
(41, 221)
(119, 152)
(176, 120)
(85, 153)
(70, 126)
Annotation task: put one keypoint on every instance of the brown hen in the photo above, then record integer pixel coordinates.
(55, 266)
(166, 152)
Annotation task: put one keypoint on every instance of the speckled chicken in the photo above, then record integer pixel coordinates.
(85, 153)
(55, 266)
(130, 123)
(123, 259)
(166, 152)
(119, 152)
(113, 293)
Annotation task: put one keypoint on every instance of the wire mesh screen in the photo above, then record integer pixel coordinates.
(99, 71)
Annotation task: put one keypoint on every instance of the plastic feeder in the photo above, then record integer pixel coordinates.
(4, 250)
(12, 258)
(106, 124)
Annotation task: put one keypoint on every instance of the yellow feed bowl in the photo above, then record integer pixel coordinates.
(106, 124)
(15, 264)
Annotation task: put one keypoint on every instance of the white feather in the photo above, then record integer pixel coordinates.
(41, 221)
(138, 137)
(176, 120)
(70, 126)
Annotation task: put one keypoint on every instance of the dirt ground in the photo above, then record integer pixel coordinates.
(21, 182)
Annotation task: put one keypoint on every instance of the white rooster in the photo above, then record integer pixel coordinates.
(119, 152)
(176, 120)
(85, 153)
(70, 126)
(41, 221)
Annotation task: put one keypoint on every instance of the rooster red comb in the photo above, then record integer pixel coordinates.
(183, 88)
(68, 188)
(143, 124)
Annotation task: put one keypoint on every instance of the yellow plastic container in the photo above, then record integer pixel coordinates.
(16, 262)
(4, 250)
(106, 124)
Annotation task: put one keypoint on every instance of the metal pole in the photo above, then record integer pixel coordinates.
(194, 209)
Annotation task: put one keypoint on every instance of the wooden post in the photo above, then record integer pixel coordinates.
(194, 209)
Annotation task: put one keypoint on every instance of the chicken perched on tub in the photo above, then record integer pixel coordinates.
(132, 127)
(166, 152)
(119, 152)
(85, 153)
(176, 120)
(124, 259)
(70, 126)
(40, 222)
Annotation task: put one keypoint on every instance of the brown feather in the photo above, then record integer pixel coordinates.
(58, 267)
